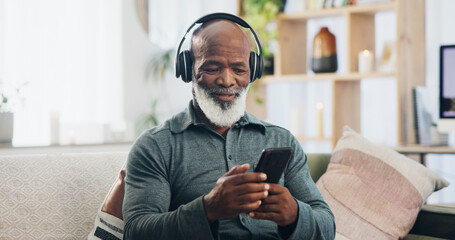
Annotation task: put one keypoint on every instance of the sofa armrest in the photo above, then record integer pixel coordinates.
(318, 163)
(436, 221)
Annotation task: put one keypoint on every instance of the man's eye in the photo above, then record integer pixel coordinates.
(239, 71)
(211, 70)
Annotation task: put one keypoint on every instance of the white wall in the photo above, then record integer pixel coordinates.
(136, 51)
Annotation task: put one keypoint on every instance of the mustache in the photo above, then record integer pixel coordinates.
(223, 91)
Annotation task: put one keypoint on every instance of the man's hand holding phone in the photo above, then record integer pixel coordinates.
(279, 206)
(256, 193)
(236, 192)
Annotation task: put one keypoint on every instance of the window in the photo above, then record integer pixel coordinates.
(69, 54)
(84, 69)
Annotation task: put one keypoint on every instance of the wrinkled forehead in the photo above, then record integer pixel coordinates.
(220, 35)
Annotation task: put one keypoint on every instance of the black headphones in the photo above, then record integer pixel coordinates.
(184, 64)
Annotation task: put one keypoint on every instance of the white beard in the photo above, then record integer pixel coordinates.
(221, 114)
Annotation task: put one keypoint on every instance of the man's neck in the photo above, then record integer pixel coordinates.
(201, 116)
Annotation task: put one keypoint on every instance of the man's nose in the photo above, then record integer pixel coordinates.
(226, 79)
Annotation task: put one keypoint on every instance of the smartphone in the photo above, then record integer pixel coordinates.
(273, 161)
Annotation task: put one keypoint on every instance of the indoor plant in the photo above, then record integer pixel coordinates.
(261, 15)
(158, 67)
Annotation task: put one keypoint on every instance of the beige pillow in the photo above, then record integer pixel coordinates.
(373, 191)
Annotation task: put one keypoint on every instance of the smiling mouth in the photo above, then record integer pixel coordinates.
(226, 97)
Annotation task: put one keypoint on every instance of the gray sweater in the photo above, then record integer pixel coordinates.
(171, 167)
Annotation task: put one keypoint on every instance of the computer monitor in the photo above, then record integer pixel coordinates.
(446, 121)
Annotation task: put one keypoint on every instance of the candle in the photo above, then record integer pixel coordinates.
(296, 121)
(366, 61)
(319, 108)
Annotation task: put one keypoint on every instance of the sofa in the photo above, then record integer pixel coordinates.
(433, 221)
(57, 196)
(54, 196)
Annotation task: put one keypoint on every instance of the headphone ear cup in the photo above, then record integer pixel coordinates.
(185, 66)
(179, 65)
(253, 63)
(260, 69)
(256, 66)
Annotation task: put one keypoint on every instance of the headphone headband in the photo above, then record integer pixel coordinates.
(226, 16)
(231, 18)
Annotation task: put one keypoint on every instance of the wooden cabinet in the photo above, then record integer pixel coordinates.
(292, 66)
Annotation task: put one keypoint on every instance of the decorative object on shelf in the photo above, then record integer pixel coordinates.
(295, 6)
(328, 3)
(324, 57)
(388, 59)
(261, 15)
(339, 3)
(425, 128)
(319, 110)
(316, 4)
(366, 61)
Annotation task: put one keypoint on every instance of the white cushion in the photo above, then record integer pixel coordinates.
(373, 191)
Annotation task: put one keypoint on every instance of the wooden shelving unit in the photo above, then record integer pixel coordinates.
(330, 12)
(291, 65)
(322, 76)
(313, 139)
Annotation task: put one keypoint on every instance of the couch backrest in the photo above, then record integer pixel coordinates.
(54, 196)
(318, 163)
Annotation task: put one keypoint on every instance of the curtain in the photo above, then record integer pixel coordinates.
(69, 55)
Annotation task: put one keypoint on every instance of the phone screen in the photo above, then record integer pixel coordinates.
(273, 161)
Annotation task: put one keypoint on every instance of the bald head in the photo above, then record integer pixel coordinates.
(219, 37)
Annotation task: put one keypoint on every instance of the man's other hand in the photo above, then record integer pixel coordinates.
(279, 207)
(236, 192)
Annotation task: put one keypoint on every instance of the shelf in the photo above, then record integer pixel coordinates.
(291, 63)
(421, 149)
(363, 9)
(289, 78)
(313, 139)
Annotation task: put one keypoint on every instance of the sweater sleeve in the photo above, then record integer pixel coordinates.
(315, 219)
(147, 200)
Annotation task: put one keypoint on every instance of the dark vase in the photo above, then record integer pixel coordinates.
(324, 55)
(268, 65)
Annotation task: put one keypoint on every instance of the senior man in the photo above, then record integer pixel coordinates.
(191, 177)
